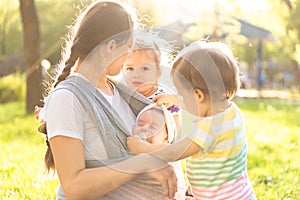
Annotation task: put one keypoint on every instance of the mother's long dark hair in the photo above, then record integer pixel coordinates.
(100, 21)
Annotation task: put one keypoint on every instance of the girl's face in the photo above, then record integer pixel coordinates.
(152, 123)
(140, 70)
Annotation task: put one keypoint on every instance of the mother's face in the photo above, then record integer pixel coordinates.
(119, 55)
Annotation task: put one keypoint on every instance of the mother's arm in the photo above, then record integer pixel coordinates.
(81, 183)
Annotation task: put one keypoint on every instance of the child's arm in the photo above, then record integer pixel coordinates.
(167, 152)
(137, 145)
(167, 99)
(179, 150)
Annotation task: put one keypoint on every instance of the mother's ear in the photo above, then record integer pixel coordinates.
(200, 95)
(111, 45)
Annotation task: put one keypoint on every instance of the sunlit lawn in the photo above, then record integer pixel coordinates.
(21, 157)
(273, 131)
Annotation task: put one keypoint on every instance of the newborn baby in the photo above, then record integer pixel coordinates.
(156, 125)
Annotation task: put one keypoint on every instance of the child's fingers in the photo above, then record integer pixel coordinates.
(160, 99)
(37, 112)
(167, 100)
(155, 99)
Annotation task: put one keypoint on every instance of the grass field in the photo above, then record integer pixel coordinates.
(273, 131)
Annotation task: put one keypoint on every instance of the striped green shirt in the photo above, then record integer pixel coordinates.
(219, 171)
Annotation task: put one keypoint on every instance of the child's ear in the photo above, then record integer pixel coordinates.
(111, 45)
(199, 95)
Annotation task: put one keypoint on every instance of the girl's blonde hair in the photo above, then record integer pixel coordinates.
(150, 44)
(210, 67)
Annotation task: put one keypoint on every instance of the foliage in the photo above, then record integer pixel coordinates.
(277, 18)
(54, 16)
(273, 143)
(12, 88)
(291, 20)
(10, 27)
(54, 28)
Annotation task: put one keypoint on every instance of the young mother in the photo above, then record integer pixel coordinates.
(89, 116)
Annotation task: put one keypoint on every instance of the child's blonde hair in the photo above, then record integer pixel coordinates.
(148, 48)
(150, 44)
(210, 67)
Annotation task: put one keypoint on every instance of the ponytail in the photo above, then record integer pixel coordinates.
(48, 160)
(66, 71)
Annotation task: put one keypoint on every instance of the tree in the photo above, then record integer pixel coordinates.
(32, 50)
(293, 31)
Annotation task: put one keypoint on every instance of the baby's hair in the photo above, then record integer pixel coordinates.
(100, 21)
(210, 67)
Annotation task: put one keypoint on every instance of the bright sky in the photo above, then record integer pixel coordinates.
(253, 5)
(171, 10)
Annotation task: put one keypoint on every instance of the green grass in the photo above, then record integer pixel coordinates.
(273, 132)
(22, 174)
(12, 88)
(272, 126)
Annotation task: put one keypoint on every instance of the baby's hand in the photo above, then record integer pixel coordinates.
(167, 99)
(136, 144)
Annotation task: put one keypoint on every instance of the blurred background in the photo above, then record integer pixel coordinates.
(263, 34)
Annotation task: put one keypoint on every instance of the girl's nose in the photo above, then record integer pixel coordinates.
(136, 73)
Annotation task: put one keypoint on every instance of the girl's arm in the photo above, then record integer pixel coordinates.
(81, 183)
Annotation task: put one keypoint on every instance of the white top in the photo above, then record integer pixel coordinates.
(66, 117)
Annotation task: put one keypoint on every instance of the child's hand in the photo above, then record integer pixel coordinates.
(167, 99)
(37, 112)
(136, 144)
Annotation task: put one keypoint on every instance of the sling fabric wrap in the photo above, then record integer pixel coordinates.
(113, 132)
(111, 127)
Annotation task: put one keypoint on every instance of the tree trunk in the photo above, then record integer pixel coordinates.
(32, 54)
(3, 34)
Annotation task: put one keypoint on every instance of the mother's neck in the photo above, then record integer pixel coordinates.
(95, 74)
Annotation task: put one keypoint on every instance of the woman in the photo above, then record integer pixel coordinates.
(89, 116)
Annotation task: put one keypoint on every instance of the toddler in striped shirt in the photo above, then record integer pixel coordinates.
(206, 76)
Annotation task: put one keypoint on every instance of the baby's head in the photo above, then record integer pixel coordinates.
(142, 67)
(155, 124)
(208, 67)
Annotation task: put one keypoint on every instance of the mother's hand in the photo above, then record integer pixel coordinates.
(168, 180)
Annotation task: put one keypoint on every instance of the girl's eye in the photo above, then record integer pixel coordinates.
(129, 69)
(145, 68)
